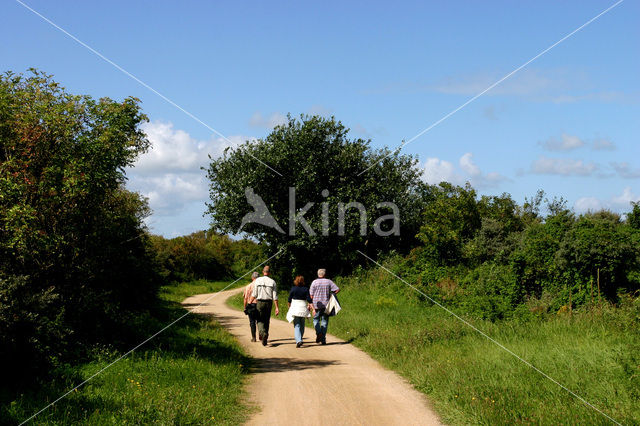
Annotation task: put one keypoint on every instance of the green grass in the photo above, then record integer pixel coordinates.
(180, 292)
(194, 373)
(471, 380)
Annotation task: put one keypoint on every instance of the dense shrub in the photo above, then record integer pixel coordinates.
(491, 291)
(492, 258)
(535, 259)
(633, 217)
(74, 256)
(449, 220)
(600, 243)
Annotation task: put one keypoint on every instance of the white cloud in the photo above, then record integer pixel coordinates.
(601, 144)
(605, 96)
(437, 170)
(169, 193)
(467, 164)
(565, 143)
(624, 200)
(559, 85)
(626, 171)
(570, 142)
(170, 174)
(275, 119)
(540, 85)
(618, 203)
(564, 167)
(585, 204)
(176, 151)
(525, 83)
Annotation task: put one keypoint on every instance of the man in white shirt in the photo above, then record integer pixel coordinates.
(265, 291)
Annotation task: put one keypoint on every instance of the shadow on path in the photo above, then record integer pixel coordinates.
(276, 365)
(344, 342)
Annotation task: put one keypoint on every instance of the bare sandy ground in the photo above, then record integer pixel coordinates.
(336, 384)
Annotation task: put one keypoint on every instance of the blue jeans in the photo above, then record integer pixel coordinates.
(320, 322)
(298, 328)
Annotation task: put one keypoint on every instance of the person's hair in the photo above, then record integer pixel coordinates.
(322, 273)
(265, 270)
(299, 281)
(255, 275)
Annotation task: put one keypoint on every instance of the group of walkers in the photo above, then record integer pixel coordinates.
(261, 294)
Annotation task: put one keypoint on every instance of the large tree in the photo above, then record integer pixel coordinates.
(73, 255)
(312, 160)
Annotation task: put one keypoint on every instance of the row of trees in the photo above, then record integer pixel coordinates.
(491, 255)
(204, 255)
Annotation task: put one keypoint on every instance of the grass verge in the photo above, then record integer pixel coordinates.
(193, 373)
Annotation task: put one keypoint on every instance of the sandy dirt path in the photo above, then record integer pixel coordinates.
(315, 384)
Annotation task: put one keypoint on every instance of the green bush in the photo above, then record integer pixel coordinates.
(599, 243)
(489, 257)
(74, 256)
(535, 259)
(449, 220)
(491, 291)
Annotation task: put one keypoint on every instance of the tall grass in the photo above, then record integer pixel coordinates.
(193, 373)
(470, 379)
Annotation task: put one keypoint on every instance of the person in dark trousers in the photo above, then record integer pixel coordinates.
(265, 291)
(320, 291)
(250, 306)
(299, 308)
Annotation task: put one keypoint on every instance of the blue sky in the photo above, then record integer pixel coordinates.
(568, 123)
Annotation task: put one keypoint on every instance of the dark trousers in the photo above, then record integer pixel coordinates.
(264, 316)
(252, 313)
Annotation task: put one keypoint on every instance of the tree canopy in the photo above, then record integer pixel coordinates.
(74, 259)
(315, 156)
